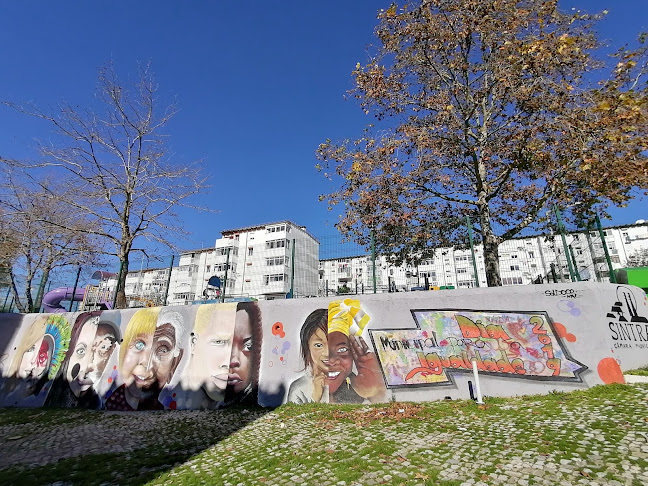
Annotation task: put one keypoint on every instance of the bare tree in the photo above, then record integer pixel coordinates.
(40, 234)
(114, 166)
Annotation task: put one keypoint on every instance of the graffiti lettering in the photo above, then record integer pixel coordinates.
(534, 351)
(396, 344)
(571, 293)
(472, 329)
(628, 331)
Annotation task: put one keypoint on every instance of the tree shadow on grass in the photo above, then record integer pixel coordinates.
(167, 439)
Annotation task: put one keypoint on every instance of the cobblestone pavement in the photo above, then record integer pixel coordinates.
(596, 441)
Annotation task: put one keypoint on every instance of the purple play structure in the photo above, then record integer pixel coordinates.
(52, 299)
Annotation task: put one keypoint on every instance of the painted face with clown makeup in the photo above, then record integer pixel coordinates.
(88, 358)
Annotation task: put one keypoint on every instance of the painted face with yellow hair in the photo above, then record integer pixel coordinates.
(150, 354)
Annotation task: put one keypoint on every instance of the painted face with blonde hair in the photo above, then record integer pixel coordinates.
(150, 356)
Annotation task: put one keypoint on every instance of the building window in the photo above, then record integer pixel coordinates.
(277, 244)
(250, 251)
(276, 229)
(515, 267)
(277, 277)
(280, 260)
(222, 266)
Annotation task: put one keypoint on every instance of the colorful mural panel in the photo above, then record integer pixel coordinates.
(353, 350)
(36, 359)
(511, 344)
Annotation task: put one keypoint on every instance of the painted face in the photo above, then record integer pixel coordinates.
(36, 360)
(80, 357)
(240, 366)
(211, 355)
(318, 348)
(149, 361)
(90, 355)
(340, 359)
(102, 348)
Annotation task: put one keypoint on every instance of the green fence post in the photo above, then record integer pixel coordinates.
(605, 249)
(576, 272)
(561, 228)
(292, 272)
(4, 306)
(472, 250)
(76, 282)
(166, 292)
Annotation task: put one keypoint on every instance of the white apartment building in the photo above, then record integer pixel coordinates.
(259, 265)
(146, 287)
(522, 261)
(263, 262)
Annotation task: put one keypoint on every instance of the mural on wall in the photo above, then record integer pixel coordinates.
(212, 356)
(628, 328)
(511, 344)
(338, 365)
(94, 338)
(224, 354)
(37, 357)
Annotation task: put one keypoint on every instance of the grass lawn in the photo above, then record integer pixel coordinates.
(600, 434)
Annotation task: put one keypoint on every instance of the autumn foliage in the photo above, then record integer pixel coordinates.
(492, 109)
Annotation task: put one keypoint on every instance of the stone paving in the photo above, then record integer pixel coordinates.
(601, 442)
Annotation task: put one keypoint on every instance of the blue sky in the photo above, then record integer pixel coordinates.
(259, 84)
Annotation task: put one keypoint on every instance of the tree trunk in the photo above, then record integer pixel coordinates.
(41, 291)
(15, 294)
(491, 248)
(120, 302)
(491, 261)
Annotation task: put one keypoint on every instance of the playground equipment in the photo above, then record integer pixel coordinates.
(92, 297)
(633, 276)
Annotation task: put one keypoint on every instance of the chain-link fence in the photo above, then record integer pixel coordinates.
(275, 263)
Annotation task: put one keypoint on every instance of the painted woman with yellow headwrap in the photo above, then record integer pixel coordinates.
(346, 321)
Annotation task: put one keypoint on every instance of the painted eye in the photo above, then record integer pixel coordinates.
(343, 349)
(80, 352)
(218, 342)
(32, 349)
(162, 350)
(247, 346)
(139, 345)
(319, 345)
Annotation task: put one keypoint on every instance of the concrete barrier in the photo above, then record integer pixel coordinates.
(414, 346)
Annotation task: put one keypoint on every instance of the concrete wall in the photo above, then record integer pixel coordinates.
(406, 346)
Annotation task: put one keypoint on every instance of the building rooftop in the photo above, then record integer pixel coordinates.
(246, 229)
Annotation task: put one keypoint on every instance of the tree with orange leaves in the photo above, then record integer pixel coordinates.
(489, 109)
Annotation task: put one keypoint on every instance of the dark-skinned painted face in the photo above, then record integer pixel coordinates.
(240, 368)
(340, 360)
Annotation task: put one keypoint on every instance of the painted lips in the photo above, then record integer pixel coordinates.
(220, 381)
(233, 379)
(143, 381)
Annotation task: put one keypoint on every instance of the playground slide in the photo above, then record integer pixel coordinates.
(52, 299)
